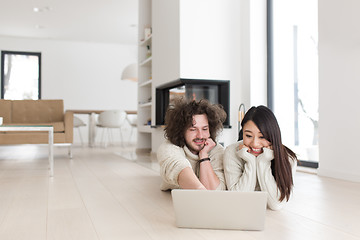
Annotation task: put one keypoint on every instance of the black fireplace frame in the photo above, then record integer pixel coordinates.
(162, 96)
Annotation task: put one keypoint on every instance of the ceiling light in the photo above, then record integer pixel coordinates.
(43, 9)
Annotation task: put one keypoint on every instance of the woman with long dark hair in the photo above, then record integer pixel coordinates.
(260, 162)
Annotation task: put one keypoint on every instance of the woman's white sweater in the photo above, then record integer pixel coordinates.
(245, 172)
(173, 159)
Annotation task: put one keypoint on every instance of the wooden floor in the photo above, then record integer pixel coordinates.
(114, 194)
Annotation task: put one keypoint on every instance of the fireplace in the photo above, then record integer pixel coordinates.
(216, 91)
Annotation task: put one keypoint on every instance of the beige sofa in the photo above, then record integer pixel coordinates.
(36, 112)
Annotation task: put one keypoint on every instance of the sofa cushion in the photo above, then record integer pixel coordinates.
(37, 111)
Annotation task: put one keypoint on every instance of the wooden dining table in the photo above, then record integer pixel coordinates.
(92, 120)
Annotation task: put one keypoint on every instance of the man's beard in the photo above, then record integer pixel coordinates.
(198, 147)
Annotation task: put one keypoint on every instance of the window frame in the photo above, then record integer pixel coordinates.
(3, 53)
(270, 70)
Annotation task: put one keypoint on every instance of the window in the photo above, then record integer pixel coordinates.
(20, 75)
(293, 74)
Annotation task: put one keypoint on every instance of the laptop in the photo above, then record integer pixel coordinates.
(219, 209)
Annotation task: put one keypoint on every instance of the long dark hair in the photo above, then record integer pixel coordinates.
(266, 121)
(179, 117)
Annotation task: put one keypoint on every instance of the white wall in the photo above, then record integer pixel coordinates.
(208, 39)
(339, 71)
(85, 75)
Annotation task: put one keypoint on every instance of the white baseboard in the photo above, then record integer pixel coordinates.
(338, 175)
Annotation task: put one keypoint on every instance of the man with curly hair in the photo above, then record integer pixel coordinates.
(190, 157)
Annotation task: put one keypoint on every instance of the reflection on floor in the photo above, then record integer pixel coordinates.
(145, 159)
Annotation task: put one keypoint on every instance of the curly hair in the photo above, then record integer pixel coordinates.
(179, 117)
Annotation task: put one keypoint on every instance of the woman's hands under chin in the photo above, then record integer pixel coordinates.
(243, 152)
(267, 154)
(267, 151)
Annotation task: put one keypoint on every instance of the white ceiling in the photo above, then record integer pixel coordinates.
(105, 21)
